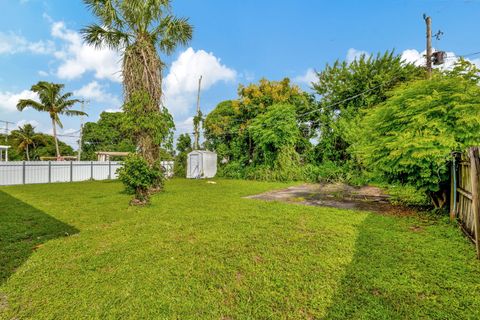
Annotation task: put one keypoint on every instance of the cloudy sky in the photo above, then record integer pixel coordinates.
(235, 42)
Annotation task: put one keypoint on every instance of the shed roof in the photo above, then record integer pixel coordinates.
(112, 153)
(202, 151)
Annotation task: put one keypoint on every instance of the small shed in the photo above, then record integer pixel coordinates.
(201, 164)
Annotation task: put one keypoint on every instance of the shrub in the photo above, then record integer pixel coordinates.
(409, 138)
(138, 178)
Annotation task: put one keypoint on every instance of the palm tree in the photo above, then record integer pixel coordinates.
(25, 137)
(137, 28)
(54, 102)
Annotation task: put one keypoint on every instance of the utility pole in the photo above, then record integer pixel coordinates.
(6, 127)
(428, 56)
(197, 119)
(79, 153)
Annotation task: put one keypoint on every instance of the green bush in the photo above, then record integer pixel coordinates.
(233, 170)
(138, 177)
(409, 138)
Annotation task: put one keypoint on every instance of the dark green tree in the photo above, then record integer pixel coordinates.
(346, 89)
(105, 135)
(184, 146)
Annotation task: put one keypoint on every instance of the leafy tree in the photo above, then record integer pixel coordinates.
(273, 131)
(53, 101)
(184, 146)
(106, 134)
(138, 28)
(47, 147)
(227, 126)
(26, 139)
(347, 88)
(409, 138)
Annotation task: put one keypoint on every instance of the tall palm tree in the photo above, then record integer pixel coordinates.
(137, 28)
(54, 102)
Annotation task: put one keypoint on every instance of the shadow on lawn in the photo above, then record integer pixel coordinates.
(23, 229)
(394, 274)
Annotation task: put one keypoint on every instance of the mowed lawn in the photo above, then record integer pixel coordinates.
(202, 251)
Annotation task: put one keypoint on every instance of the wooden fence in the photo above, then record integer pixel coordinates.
(464, 196)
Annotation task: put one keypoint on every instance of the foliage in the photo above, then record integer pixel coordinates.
(244, 131)
(203, 251)
(106, 134)
(26, 139)
(54, 102)
(139, 29)
(138, 177)
(409, 138)
(272, 131)
(346, 88)
(44, 146)
(184, 146)
(151, 129)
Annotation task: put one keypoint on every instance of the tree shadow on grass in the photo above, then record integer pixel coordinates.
(404, 268)
(23, 229)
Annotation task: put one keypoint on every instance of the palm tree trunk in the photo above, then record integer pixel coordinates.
(55, 138)
(28, 153)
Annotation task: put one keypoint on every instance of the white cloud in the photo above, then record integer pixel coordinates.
(184, 126)
(111, 110)
(309, 77)
(9, 100)
(43, 73)
(11, 43)
(181, 83)
(354, 54)
(96, 92)
(78, 58)
(418, 58)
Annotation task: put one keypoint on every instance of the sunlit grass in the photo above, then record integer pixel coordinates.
(202, 251)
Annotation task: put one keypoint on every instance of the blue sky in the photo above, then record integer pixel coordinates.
(234, 42)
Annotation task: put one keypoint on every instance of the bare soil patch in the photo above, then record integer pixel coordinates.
(337, 195)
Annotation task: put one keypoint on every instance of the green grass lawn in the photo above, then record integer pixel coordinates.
(201, 251)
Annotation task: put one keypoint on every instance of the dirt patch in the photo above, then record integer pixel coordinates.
(337, 195)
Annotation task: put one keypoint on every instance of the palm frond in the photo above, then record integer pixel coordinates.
(107, 12)
(101, 37)
(74, 113)
(171, 32)
(29, 103)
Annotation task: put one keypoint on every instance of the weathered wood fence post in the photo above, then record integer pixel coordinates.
(474, 176)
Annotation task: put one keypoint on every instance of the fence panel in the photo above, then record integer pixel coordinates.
(30, 172)
(465, 195)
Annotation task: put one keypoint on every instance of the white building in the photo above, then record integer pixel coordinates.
(4, 153)
(201, 164)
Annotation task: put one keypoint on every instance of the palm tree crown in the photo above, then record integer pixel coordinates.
(124, 22)
(25, 137)
(53, 101)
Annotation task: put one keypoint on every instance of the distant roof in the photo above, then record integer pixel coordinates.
(112, 153)
(202, 151)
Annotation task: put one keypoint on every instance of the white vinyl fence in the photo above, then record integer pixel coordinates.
(29, 172)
